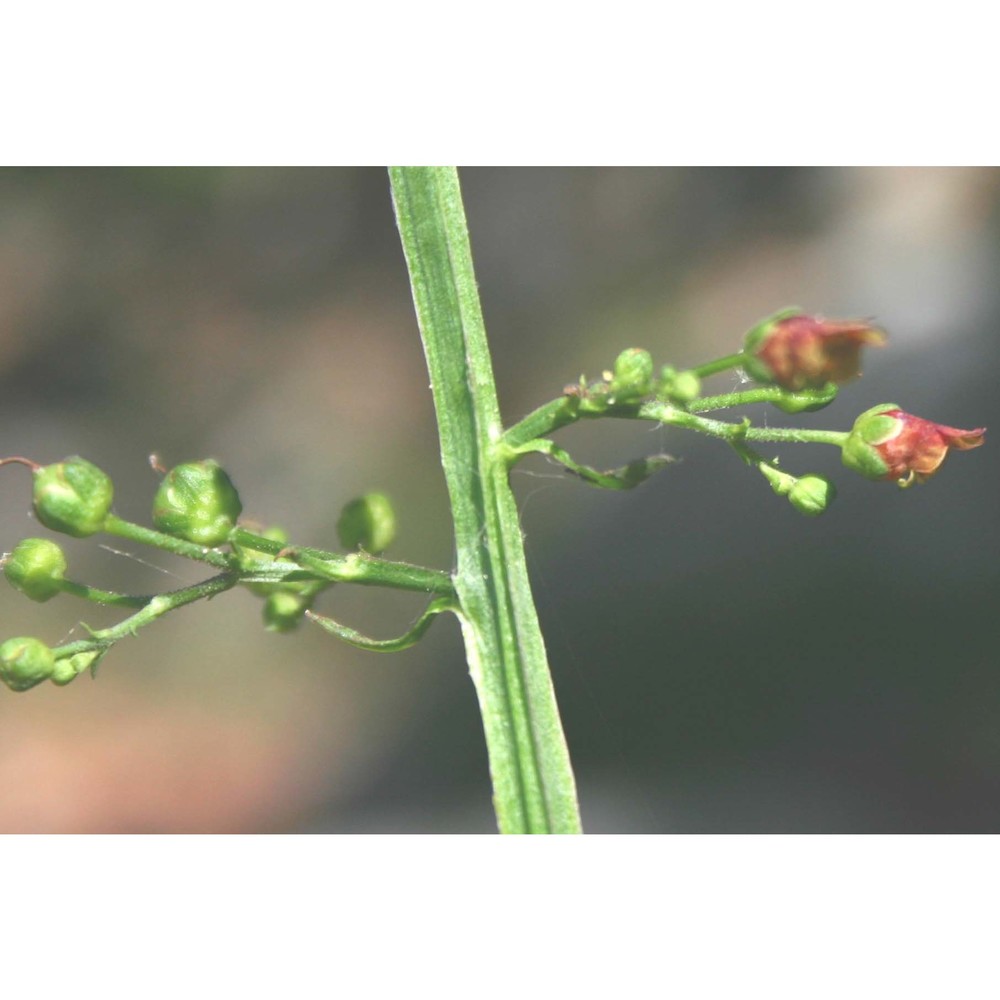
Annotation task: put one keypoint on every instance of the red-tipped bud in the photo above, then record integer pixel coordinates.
(799, 352)
(887, 443)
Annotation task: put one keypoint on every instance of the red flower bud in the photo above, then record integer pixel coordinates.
(798, 352)
(887, 443)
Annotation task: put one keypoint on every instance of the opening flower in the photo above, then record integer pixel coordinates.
(886, 443)
(797, 351)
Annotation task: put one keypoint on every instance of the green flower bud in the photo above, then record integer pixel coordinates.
(36, 568)
(72, 496)
(284, 610)
(678, 387)
(70, 667)
(632, 377)
(198, 502)
(25, 662)
(811, 495)
(367, 523)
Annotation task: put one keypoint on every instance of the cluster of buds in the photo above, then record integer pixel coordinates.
(25, 662)
(802, 353)
(366, 524)
(285, 603)
(195, 513)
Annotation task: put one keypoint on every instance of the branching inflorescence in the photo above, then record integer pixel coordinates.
(796, 360)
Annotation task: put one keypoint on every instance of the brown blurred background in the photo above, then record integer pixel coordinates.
(722, 664)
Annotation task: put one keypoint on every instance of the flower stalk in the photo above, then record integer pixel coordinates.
(533, 786)
(798, 361)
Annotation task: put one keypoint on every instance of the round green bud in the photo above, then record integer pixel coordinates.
(283, 611)
(678, 387)
(367, 523)
(811, 495)
(25, 662)
(198, 502)
(686, 387)
(632, 377)
(72, 496)
(36, 568)
(70, 667)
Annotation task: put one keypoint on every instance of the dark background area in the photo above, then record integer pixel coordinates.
(722, 663)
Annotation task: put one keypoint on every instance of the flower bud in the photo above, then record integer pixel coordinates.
(797, 351)
(198, 502)
(632, 377)
(283, 611)
(678, 387)
(886, 443)
(811, 495)
(36, 568)
(70, 667)
(368, 523)
(25, 662)
(72, 496)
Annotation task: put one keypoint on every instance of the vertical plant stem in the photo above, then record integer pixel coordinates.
(533, 786)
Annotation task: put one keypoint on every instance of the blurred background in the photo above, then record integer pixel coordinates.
(722, 664)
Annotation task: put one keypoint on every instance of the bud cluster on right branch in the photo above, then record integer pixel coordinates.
(799, 352)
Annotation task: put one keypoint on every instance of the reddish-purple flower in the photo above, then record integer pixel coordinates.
(887, 443)
(797, 351)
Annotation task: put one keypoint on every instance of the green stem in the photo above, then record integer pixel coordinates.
(781, 482)
(115, 525)
(155, 608)
(806, 399)
(534, 790)
(356, 567)
(666, 414)
(543, 421)
(556, 414)
(104, 596)
(719, 365)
